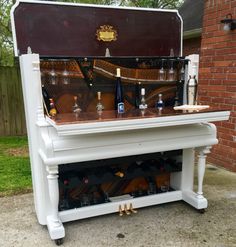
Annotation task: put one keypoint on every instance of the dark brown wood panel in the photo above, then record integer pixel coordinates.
(64, 30)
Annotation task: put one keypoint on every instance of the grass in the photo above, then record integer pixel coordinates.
(15, 174)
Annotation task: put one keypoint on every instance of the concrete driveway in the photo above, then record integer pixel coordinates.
(173, 224)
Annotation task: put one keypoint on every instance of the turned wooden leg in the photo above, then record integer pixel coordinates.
(53, 194)
(201, 170)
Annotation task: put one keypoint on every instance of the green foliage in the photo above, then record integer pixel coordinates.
(163, 4)
(15, 175)
(6, 44)
(171, 4)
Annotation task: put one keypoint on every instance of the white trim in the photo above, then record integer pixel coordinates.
(96, 5)
(182, 27)
(112, 207)
(110, 126)
(14, 28)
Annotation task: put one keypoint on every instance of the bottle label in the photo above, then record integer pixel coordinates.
(143, 106)
(159, 105)
(121, 107)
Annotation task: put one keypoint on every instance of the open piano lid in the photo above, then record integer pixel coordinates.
(54, 29)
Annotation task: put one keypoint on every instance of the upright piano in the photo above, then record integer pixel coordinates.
(87, 162)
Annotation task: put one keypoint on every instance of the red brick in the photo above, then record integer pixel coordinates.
(225, 51)
(204, 98)
(217, 76)
(228, 125)
(230, 101)
(219, 45)
(223, 63)
(217, 70)
(231, 76)
(218, 100)
(215, 94)
(231, 88)
(211, 28)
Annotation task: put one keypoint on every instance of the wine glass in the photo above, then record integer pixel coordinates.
(171, 72)
(162, 72)
(182, 72)
(52, 73)
(65, 73)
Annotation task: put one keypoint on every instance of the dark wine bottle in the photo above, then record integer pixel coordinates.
(64, 205)
(53, 110)
(46, 98)
(160, 103)
(137, 95)
(119, 99)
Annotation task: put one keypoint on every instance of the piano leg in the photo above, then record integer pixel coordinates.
(197, 200)
(201, 172)
(54, 224)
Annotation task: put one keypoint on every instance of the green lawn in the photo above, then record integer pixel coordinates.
(15, 174)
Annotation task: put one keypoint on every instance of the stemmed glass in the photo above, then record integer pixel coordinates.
(171, 72)
(65, 73)
(182, 72)
(52, 73)
(162, 72)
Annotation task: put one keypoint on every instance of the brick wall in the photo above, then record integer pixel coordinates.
(217, 81)
(191, 46)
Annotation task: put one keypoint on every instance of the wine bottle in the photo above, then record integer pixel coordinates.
(53, 111)
(99, 105)
(119, 174)
(137, 95)
(119, 99)
(46, 99)
(143, 104)
(64, 205)
(160, 103)
(75, 108)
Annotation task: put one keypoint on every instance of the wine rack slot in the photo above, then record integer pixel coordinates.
(105, 181)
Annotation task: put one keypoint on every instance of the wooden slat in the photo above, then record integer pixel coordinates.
(2, 126)
(12, 117)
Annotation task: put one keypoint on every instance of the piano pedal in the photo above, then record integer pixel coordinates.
(121, 213)
(131, 209)
(126, 210)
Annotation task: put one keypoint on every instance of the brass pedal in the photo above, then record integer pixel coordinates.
(126, 210)
(131, 209)
(120, 211)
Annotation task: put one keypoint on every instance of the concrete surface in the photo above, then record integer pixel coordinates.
(173, 224)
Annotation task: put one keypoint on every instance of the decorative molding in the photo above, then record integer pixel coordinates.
(106, 33)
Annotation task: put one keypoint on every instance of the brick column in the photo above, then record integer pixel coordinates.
(217, 77)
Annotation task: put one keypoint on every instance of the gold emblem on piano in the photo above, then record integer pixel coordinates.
(106, 33)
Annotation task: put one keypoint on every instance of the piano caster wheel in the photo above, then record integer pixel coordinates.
(202, 211)
(59, 241)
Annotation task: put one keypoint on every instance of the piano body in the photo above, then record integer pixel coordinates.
(88, 163)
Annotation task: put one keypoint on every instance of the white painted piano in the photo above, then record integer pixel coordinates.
(68, 139)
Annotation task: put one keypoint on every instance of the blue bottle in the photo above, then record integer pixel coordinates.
(119, 99)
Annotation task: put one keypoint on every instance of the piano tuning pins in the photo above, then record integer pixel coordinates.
(126, 210)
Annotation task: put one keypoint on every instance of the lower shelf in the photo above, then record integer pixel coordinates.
(113, 207)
